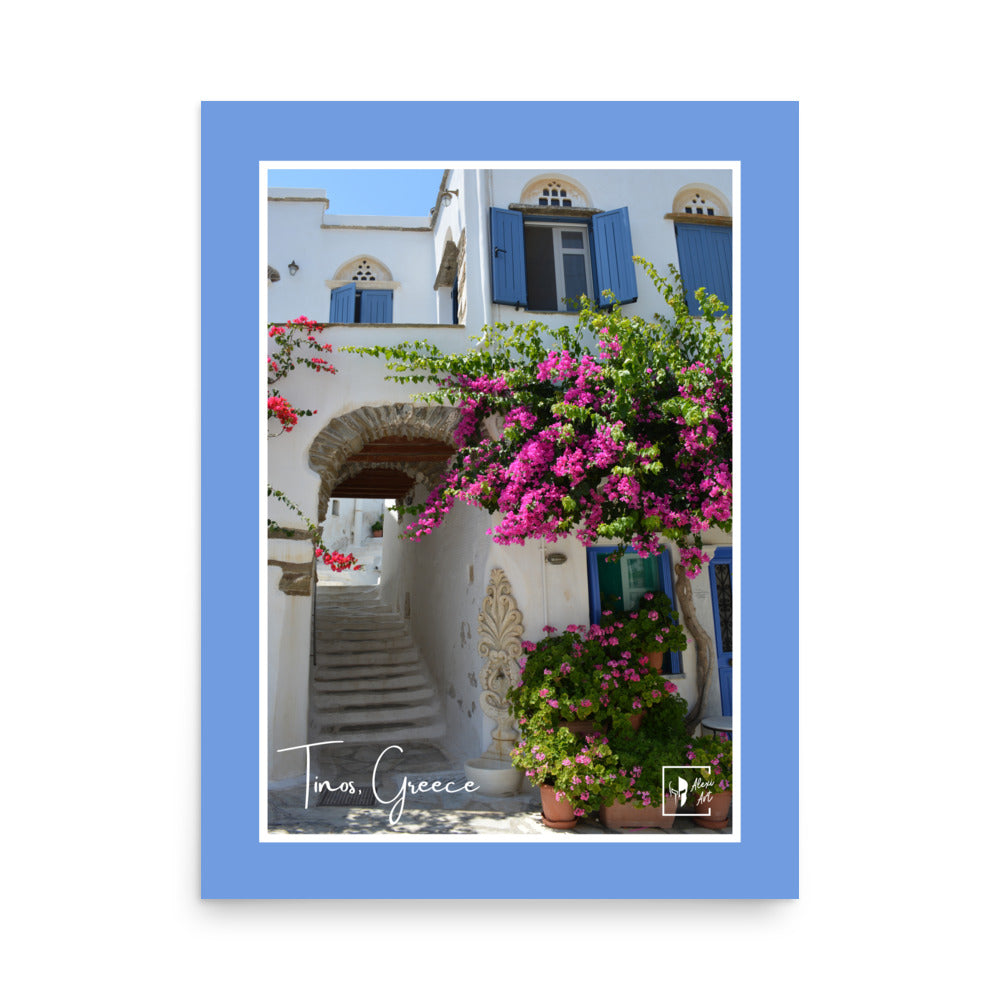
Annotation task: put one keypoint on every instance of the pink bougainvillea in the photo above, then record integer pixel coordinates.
(620, 428)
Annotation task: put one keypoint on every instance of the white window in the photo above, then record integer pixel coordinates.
(557, 265)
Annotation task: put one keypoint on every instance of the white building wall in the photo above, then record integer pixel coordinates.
(288, 643)
(321, 243)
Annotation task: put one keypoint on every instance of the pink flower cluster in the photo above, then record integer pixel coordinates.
(278, 406)
(580, 452)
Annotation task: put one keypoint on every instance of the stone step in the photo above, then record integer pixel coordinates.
(372, 699)
(385, 734)
(361, 635)
(326, 657)
(365, 716)
(371, 670)
(356, 615)
(410, 679)
(370, 682)
(366, 645)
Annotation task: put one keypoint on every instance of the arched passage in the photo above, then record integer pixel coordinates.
(360, 448)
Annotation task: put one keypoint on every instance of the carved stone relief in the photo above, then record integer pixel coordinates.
(500, 630)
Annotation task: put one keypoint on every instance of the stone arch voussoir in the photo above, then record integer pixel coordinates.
(348, 434)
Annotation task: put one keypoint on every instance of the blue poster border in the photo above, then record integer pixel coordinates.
(236, 136)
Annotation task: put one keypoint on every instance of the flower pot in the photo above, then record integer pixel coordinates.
(376, 534)
(718, 806)
(636, 721)
(581, 727)
(622, 816)
(556, 814)
(655, 661)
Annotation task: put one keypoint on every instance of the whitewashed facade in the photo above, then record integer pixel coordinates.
(438, 278)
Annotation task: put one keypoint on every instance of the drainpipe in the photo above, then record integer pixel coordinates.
(485, 187)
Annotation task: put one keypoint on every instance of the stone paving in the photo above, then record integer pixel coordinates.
(468, 813)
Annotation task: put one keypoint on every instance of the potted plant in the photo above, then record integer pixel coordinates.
(637, 799)
(714, 787)
(377, 528)
(586, 674)
(652, 628)
(570, 770)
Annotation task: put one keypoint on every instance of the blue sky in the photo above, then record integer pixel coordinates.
(367, 192)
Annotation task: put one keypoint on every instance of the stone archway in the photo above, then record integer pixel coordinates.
(405, 437)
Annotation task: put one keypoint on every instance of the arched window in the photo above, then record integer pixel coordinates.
(554, 191)
(361, 291)
(703, 227)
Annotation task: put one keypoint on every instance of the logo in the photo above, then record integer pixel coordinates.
(698, 789)
(681, 793)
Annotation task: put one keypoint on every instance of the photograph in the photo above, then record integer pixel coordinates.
(501, 543)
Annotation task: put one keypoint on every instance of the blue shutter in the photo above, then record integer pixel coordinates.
(613, 265)
(507, 252)
(706, 258)
(720, 576)
(342, 304)
(376, 305)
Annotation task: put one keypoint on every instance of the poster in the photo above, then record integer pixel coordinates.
(241, 862)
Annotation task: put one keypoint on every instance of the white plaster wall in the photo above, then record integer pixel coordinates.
(444, 603)
(288, 642)
(320, 243)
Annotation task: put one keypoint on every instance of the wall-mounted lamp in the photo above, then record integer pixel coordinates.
(556, 558)
(446, 196)
(292, 268)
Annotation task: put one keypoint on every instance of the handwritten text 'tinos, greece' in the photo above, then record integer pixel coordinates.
(398, 801)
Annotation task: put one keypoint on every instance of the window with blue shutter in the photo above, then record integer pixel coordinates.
(613, 265)
(376, 305)
(507, 252)
(371, 305)
(546, 263)
(706, 258)
(342, 304)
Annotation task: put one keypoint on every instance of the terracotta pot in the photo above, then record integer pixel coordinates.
(655, 661)
(636, 721)
(719, 806)
(555, 814)
(581, 727)
(376, 534)
(621, 816)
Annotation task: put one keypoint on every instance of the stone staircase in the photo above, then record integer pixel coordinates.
(370, 683)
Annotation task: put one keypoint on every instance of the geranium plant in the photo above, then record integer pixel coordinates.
(714, 755)
(652, 627)
(579, 768)
(586, 673)
(642, 756)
